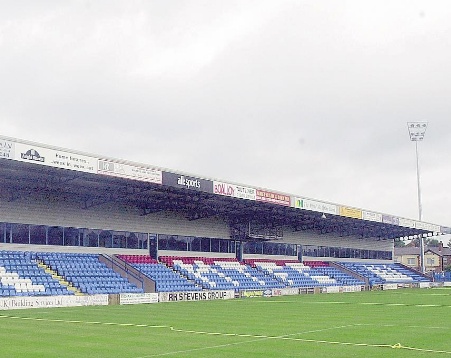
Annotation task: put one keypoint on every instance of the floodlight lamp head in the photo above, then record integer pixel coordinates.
(417, 130)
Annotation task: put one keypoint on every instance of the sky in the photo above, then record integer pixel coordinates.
(310, 98)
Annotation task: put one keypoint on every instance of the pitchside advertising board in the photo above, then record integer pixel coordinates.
(285, 291)
(351, 289)
(331, 289)
(196, 296)
(137, 298)
(390, 286)
(11, 303)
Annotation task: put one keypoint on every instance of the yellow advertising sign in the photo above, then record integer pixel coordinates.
(350, 212)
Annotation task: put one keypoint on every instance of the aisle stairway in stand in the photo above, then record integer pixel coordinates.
(60, 279)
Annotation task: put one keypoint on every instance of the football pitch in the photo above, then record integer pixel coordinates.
(401, 323)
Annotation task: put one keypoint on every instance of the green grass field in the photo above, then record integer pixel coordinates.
(403, 323)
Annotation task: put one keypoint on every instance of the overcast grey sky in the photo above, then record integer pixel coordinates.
(305, 97)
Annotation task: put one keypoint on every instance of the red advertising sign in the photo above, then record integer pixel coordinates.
(274, 198)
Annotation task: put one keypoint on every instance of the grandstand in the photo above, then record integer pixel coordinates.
(75, 224)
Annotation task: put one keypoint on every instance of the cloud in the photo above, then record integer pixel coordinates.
(309, 98)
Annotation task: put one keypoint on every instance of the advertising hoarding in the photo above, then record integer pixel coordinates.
(196, 296)
(388, 219)
(122, 170)
(350, 212)
(285, 291)
(313, 205)
(137, 298)
(406, 222)
(273, 198)
(232, 190)
(54, 158)
(244, 192)
(6, 149)
(370, 216)
(20, 302)
(187, 182)
(427, 226)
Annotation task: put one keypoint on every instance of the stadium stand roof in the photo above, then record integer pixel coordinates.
(94, 180)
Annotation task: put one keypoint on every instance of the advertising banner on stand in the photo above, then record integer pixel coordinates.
(406, 222)
(54, 158)
(232, 190)
(370, 216)
(6, 149)
(388, 219)
(247, 193)
(426, 226)
(221, 188)
(350, 212)
(187, 182)
(273, 198)
(122, 170)
(313, 205)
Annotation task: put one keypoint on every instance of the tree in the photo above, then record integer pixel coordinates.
(399, 243)
(427, 242)
(432, 242)
(415, 243)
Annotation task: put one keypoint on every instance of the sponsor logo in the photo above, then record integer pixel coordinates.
(250, 294)
(270, 197)
(245, 193)
(315, 206)
(33, 155)
(197, 296)
(224, 189)
(105, 166)
(6, 149)
(5, 145)
(188, 182)
(52, 301)
(136, 298)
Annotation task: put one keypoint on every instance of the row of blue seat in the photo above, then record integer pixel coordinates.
(101, 279)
